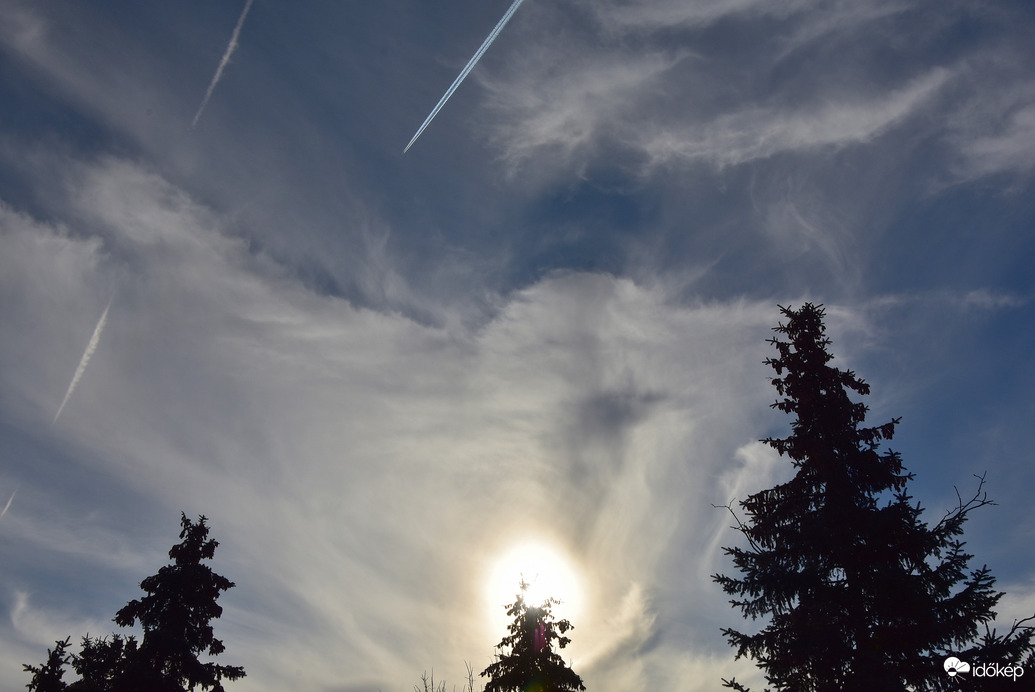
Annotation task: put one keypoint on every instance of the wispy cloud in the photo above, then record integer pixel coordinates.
(230, 48)
(85, 360)
(564, 113)
(575, 392)
(648, 15)
(671, 103)
(1010, 148)
(609, 102)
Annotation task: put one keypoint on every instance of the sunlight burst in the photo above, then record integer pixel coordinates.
(548, 572)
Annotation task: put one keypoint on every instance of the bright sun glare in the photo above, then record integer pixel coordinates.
(548, 573)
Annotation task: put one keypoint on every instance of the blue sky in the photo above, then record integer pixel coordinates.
(546, 323)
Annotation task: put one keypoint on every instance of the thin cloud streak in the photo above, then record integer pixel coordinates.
(90, 348)
(8, 505)
(466, 71)
(231, 47)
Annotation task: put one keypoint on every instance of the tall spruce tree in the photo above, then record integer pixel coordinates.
(857, 592)
(528, 662)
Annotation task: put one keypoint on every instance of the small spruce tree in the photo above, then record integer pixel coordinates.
(175, 616)
(111, 665)
(858, 593)
(47, 677)
(528, 662)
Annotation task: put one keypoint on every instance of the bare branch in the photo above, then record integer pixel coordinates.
(740, 524)
(980, 499)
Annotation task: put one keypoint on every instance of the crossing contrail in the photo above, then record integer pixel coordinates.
(85, 360)
(231, 47)
(463, 73)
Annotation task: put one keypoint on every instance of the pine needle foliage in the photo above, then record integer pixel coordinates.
(47, 677)
(175, 617)
(855, 590)
(529, 661)
(177, 611)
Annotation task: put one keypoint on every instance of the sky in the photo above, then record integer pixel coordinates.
(224, 290)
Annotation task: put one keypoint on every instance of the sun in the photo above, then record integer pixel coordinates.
(548, 572)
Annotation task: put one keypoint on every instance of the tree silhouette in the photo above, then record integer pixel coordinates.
(859, 593)
(175, 617)
(47, 678)
(176, 614)
(111, 665)
(528, 662)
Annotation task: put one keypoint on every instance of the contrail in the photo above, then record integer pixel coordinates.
(90, 348)
(8, 505)
(231, 47)
(463, 73)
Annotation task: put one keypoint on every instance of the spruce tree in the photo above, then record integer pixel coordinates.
(110, 665)
(175, 617)
(856, 591)
(47, 677)
(529, 662)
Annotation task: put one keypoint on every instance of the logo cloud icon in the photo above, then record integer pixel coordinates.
(953, 666)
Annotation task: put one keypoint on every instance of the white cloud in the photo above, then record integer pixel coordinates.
(1017, 603)
(805, 20)
(106, 85)
(29, 630)
(360, 469)
(21, 28)
(38, 625)
(1009, 148)
(761, 132)
(653, 106)
(556, 115)
(666, 14)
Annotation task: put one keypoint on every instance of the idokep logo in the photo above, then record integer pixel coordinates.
(954, 667)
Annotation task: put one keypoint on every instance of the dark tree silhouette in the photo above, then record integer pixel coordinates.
(176, 614)
(529, 662)
(110, 665)
(859, 593)
(47, 678)
(175, 617)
